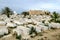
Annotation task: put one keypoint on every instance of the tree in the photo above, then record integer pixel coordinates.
(25, 13)
(7, 11)
(54, 17)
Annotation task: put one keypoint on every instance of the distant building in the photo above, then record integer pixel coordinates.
(38, 12)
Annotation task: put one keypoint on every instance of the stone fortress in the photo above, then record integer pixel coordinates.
(38, 12)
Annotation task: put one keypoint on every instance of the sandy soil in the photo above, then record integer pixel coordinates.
(49, 35)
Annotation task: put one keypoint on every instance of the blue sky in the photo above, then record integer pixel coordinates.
(22, 5)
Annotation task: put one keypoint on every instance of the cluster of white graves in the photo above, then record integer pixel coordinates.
(22, 25)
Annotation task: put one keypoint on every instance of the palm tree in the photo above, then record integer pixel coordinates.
(54, 16)
(7, 11)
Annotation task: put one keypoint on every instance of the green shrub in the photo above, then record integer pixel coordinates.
(19, 37)
(54, 17)
(33, 30)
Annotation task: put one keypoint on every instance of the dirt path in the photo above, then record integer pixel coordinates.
(49, 35)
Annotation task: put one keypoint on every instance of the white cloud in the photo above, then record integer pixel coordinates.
(45, 6)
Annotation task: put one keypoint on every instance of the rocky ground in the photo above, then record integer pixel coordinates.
(30, 27)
